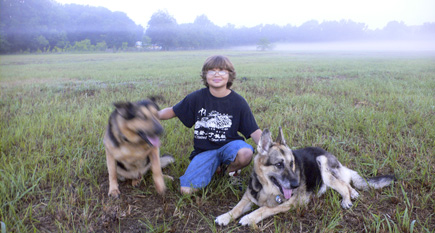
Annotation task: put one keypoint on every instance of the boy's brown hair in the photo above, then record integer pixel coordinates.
(218, 62)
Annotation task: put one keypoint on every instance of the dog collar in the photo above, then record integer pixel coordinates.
(278, 199)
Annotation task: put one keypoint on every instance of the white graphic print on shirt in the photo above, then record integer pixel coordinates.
(212, 126)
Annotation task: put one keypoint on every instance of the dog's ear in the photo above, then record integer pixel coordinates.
(149, 102)
(156, 98)
(125, 109)
(153, 98)
(280, 139)
(265, 142)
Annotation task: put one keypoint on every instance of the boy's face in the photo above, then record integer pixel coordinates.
(217, 78)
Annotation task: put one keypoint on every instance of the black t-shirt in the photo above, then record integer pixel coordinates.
(217, 121)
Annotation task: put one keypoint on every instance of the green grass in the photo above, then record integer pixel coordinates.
(374, 111)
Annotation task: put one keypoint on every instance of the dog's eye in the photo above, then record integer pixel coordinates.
(279, 165)
(143, 117)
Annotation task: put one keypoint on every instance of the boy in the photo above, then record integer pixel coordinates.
(218, 114)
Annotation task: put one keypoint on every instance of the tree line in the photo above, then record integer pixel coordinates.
(47, 26)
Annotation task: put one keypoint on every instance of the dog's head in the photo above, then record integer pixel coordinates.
(276, 163)
(139, 121)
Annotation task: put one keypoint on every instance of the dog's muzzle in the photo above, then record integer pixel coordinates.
(287, 190)
(151, 140)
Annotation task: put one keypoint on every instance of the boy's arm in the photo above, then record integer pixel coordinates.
(166, 114)
(256, 136)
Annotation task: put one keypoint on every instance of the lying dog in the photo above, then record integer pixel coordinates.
(132, 145)
(282, 178)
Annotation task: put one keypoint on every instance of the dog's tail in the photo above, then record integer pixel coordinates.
(376, 182)
(165, 160)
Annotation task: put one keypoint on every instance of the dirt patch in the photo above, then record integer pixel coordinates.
(141, 209)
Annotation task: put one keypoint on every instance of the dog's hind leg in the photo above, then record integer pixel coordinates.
(322, 190)
(332, 177)
(242, 207)
(349, 174)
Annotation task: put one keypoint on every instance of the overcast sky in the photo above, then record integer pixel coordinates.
(374, 13)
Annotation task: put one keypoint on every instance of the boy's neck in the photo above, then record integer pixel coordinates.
(219, 92)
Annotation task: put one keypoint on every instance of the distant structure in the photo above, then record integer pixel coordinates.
(139, 44)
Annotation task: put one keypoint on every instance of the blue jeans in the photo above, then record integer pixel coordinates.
(203, 166)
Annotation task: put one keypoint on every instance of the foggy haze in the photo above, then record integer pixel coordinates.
(360, 46)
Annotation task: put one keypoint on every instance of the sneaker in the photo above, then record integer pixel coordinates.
(236, 180)
(235, 173)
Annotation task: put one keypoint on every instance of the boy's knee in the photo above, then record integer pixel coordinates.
(245, 156)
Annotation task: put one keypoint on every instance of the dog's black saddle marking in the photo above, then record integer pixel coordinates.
(123, 167)
(112, 137)
(255, 186)
(306, 159)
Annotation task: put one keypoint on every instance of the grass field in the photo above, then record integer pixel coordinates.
(374, 111)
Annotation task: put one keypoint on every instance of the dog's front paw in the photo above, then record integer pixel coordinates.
(223, 219)
(346, 204)
(114, 193)
(246, 220)
(160, 187)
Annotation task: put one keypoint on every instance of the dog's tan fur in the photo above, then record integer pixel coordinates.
(129, 153)
(282, 178)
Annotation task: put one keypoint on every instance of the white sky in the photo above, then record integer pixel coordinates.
(374, 13)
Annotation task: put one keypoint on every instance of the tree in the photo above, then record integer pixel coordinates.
(5, 46)
(342, 30)
(309, 31)
(146, 41)
(203, 21)
(23, 24)
(396, 30)
(206, 34)
(264, 44)
(41, 43)
(24, 21)
(427, 31)
(99, 24)
(162, 29)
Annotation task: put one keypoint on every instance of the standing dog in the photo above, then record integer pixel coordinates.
(132, 144)
(282, 178)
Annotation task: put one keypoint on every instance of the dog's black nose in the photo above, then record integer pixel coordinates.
(158, 129)
(294, 184)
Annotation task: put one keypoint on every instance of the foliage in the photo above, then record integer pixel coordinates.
(162, 29)
(264, 44)
(101, 46)
(44, 24)
(84, 45)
